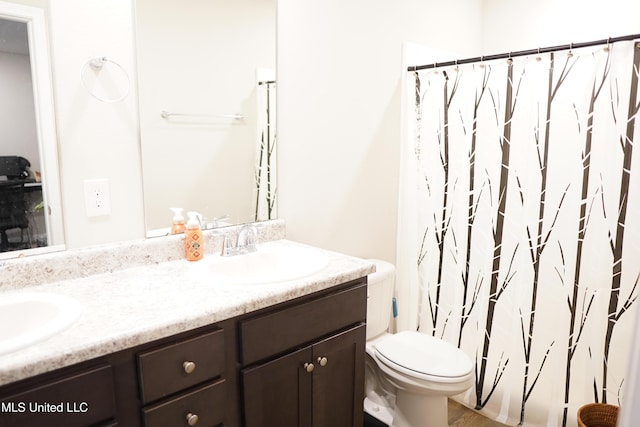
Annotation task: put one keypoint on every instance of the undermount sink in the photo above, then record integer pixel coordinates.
(27, 318)
(269, 264)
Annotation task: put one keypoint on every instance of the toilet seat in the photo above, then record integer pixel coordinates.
(424, 357)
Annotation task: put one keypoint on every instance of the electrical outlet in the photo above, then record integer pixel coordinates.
(96, 197)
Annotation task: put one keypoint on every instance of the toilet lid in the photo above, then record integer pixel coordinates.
(423, 354)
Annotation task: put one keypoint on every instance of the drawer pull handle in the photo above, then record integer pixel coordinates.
(322, 361)
(192, 419)
(189, 367)
(308, 367)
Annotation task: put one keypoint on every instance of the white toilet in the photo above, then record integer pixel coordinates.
(409, 375)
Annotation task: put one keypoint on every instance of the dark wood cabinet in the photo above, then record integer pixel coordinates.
(298, 363)
(320, 385)
(305, 362)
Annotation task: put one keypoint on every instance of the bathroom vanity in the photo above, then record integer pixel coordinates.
(190, 352)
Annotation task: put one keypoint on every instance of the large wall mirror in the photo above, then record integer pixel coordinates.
(30, 207)
(206, 71)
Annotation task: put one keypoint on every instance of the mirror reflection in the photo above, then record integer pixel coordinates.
(206, 86)
(28, 189)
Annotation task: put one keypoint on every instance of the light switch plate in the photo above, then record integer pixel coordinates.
(96, 197)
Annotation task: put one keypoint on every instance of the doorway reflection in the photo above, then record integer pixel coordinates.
(22, 222)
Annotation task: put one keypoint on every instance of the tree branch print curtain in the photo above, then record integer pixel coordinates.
(527, 240)
(265, 169)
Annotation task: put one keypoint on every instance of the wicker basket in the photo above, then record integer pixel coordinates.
(597, 415)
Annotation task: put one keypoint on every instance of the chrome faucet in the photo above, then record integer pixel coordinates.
(245, 243)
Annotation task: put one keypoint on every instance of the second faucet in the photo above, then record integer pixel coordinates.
(245, 243)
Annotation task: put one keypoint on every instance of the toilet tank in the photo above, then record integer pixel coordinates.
(379, 298)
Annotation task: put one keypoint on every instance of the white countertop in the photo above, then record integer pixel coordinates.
(136, 305)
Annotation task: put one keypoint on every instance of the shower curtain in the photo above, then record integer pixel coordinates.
(521, 225)
(265, 169)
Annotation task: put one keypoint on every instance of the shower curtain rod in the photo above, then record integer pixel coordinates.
(523, 53)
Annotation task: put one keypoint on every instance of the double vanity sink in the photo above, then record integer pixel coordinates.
(249, 322)
(27, 318)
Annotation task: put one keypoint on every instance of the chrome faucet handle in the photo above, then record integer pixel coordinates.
(247, 238)
(226, 246)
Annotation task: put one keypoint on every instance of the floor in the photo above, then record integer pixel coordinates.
(459, 416)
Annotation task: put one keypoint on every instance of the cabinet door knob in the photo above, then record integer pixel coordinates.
(189, 367)
(192, 419)
(308, 367)
(322, 361)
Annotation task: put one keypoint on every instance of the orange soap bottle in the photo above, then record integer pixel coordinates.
(177, 225)
(193, 244)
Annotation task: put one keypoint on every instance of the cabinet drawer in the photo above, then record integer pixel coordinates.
(281, 330)
(207, 403)
(174, 367)
(83, 399)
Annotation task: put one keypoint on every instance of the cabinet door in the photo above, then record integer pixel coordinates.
(338, 379)
(278, 393)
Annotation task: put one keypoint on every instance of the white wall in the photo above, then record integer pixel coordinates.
(96, 139)
(510, 25)
(34, 3)
(339, 74)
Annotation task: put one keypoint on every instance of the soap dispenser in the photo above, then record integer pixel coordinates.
(177, 225)
(193, 244)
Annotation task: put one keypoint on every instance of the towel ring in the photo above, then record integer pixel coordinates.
(96, 65)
